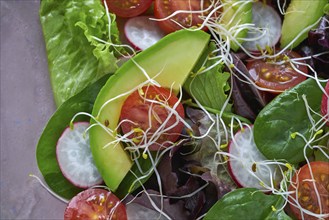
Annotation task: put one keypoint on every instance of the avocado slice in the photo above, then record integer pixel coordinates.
(236, 12)
(300, 16)
(173, 58)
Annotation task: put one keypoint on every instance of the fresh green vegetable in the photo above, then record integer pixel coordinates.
(324, 145)
(209, 88)
(46, 148)
(130, 183)
(301, 16)
(326, 9)
(319, 156)
(75, 58)
(78, 41)
(169, 61)
(237, 13)
(247, 203)
(277, 125)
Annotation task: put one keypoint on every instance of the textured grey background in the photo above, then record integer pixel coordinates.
(26, 105)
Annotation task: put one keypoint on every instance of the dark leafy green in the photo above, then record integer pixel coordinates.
(276, 125)
(46, 148)
(248, 101)
(129, 184)
(210, 88)
(75, 58)
(247, 203)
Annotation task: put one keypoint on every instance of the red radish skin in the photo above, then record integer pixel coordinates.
(142, 32)
(265, 18)
(244, 159)
(74, 157)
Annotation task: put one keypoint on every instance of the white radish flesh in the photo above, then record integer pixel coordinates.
(74, 157)
(142, 32)
(267, 29)
(247, 164)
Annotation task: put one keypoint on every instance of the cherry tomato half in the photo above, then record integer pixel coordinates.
(277, 77)
(97, 204)
(164, 8)
(305, 190)
(325, 103)
(148, 116)
(128, 8)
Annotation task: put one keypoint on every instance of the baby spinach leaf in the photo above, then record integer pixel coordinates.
(75, 58)
(287, 114)
(247, 203)
(46, 148)
(209, 88)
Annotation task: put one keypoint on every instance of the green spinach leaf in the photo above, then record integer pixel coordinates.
(46, 148)
(287, 114)
(247, 203)
(75, 58)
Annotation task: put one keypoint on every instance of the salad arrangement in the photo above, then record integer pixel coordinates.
(214, 109)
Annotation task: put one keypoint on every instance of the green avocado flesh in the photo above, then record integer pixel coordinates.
(301, 16)
(169, 61)
(236, 12)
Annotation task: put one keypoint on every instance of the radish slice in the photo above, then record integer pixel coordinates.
(74, 157)
(268, 21)
(246, 163)
(142, 32)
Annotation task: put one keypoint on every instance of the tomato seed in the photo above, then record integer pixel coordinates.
(323, 177)
(253, 168)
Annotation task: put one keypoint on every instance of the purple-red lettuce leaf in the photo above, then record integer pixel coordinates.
(248, 101)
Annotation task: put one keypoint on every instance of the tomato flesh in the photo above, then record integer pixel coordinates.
(305, 191)
(128, 8)
(140, 114)
(277, 77)
(164, 8)
(97, 204)
(325, 103)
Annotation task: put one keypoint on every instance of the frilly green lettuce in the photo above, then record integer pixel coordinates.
(75, 58)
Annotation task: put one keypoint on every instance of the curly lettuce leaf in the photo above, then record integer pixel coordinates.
(209, 87)
(75, 58)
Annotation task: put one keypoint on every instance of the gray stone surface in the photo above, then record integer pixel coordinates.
(26, 105)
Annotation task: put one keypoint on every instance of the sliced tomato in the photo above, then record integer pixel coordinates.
(164, 8)
(140, 115)
(325, 103)
(303, 186)
(95, 204)
(275, 74)
(128, 8)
